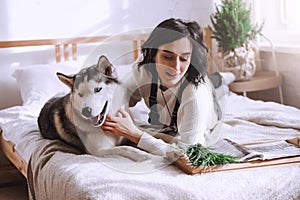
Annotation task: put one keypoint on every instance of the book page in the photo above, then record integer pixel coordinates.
(228, 147)
(261, 151)
(277, 149)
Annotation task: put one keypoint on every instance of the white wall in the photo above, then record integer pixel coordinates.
(42, 19)
(33, 19)
(288, 66)
(66, 18)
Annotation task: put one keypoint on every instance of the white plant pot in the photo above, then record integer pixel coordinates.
(241, 62)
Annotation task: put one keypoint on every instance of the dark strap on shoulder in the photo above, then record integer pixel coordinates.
(153, 115)
(177, 104)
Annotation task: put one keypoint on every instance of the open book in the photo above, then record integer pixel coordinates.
(258, 151)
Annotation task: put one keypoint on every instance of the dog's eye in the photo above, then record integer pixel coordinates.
(80, 94)
(97, 89)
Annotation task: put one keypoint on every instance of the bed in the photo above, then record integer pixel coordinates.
(57, 171)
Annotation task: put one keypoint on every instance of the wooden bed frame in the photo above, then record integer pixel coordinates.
(10, 152)
(69, 46)
(68, 53)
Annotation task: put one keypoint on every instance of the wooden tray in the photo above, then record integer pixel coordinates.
(182, 162)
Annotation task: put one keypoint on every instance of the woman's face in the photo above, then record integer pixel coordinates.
(172, 61)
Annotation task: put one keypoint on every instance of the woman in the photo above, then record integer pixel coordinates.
(171, 78)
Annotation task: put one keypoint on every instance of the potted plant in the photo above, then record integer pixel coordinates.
(234, 33)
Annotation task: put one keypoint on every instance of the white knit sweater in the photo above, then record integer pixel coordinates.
(197, 120)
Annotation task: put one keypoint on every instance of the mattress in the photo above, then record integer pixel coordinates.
(58, 172)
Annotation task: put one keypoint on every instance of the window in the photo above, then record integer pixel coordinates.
(281, 19)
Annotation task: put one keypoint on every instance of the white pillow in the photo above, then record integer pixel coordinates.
(123, 70)
(223, 89)
(9, 90)
(40, 82)
(228, 77)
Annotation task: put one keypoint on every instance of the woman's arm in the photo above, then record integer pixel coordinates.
(124, 126)
(196, 118)
(166, 138)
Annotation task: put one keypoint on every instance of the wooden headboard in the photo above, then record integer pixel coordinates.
(69, 45)
(208, 40)
(66, 48)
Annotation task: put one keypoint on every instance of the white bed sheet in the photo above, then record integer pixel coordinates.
(118, 177)
(19, 123)
(245, 121)
(248, 120)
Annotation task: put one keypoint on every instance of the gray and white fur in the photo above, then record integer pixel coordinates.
(75, 118)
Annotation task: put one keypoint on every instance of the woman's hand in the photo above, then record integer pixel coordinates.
(122, 126)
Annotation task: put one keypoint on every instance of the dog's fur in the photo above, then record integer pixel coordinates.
(75, 118)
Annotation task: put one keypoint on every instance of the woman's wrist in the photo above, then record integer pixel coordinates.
(136, 136)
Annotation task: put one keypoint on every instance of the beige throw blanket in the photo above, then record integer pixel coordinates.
(58, 172)
(59, 175)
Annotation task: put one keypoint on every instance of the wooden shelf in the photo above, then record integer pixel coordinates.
(260, 81)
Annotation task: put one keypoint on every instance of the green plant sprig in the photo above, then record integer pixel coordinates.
(202, 156)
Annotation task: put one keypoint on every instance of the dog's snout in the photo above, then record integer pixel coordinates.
(87, 112)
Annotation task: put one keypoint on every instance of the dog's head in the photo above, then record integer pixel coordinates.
(92, 90)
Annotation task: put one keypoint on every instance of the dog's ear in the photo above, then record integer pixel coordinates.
(67, 80)
(104, 66)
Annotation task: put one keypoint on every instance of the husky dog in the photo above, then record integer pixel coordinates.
(75, 118)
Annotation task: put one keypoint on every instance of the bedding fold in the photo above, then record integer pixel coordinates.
(57, 171)
(277, 119)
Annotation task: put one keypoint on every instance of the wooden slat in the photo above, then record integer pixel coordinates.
(26, 43)
(135, 49)
(43, 42)
(76, 40)
(74, 51)
(208, 41)
(57, 53)
(66, 52)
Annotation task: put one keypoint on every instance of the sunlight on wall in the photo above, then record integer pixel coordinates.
(290, 14)
(67, 18)
(44, 19)
(281, 19)
(125, 4)
(55, 18)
